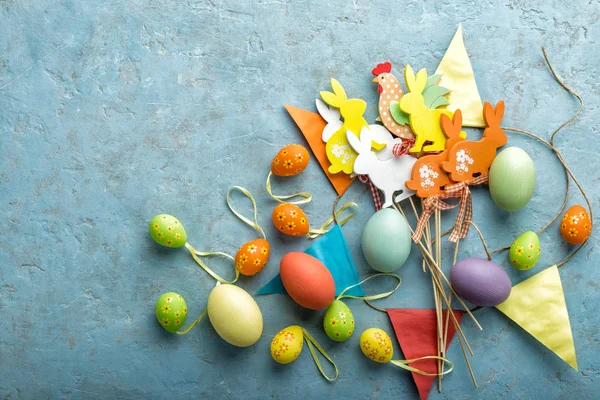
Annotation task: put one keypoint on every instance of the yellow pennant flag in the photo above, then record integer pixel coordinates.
(457, 75)
(538, 305)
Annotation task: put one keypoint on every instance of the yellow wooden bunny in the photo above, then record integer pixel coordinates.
(339, 152)
(424, 121)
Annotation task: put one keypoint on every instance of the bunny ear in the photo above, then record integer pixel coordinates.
(354, 141)
(499, 111)
(409, 77)
(457, 119)
(447, 126)
(338, 89)
(329, 114)
(365, 139)
(331, 99)
(420, 81)
(489, 115)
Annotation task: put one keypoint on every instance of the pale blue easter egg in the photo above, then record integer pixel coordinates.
(386, 240)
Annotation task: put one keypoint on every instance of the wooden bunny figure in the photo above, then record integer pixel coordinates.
(428, 177)
(424, 121)
(469, 159)
(389, 176)
(340, 154)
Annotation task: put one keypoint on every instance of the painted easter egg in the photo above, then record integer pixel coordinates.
(307, 280)
(376, 345)
(235, 315)
(576, 225)
(167, 231)
(338, 321)
(480, 281)
(290, 219)
(386, 240)
(512, 179)
(289, 161)
(252, 257)
(171, 311)
(287, 344)
(525, 251)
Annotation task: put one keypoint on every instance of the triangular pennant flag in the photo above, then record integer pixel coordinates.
(312, 124)
(332, 250)
(538, 306)
(457, 75)
(416, 331)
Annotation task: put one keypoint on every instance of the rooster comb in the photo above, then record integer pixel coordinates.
(382, 67)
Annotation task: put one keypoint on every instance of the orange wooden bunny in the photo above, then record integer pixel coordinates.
(428, 178)
(468, 159)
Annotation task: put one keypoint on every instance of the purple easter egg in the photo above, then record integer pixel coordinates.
(479, 281)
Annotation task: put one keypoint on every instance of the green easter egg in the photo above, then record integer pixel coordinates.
(167, 231)
(525, 251)
(338, 322)
(386, 240)
(512, 179)
(171, 311)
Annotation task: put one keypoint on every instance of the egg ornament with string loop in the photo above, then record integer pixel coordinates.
(253, 256)
(289, 161)
(171, 313)
(287, 345)
(168, 231)
(338, 321)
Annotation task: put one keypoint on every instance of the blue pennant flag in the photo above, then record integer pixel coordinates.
(331, 249)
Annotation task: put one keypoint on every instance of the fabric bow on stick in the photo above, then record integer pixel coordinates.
(460, 191)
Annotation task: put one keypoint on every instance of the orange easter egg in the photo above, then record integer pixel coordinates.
(290, 161)
(576, 225)
(290, 219)
(252, 257)
(307, 280)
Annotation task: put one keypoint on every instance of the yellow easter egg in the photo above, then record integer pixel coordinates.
(376, 345)
(287, 344)
(290, 161)
(290, 219)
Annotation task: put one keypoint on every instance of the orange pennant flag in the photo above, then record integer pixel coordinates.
(416, 331)
(312, 124)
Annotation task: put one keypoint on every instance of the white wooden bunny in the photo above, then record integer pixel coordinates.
(389, 176)
(378, 132)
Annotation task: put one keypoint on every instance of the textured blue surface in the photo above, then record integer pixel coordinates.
(114, 111)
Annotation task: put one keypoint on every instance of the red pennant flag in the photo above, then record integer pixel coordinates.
(416, 331)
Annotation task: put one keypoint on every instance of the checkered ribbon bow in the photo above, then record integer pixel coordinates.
(465, 212)
(398, 150)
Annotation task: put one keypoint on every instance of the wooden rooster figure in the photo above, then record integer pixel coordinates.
(390, 93)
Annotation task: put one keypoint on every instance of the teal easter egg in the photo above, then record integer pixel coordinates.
(512, 179)
(386, 240)
(525, 251)
(167, 231)
(338, 321)
(171, 311)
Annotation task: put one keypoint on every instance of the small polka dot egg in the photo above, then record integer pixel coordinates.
(525, 251)
(376, 345)
(290, 219)
(576, 225)
(252, 257)
(171, 311)
(338, 321)
(287, 344)
(290, 161)
(167, 231)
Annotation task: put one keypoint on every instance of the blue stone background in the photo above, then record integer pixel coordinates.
(114, 111)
